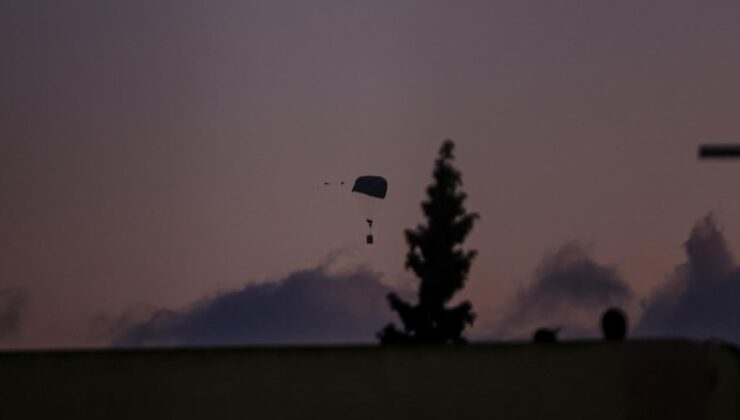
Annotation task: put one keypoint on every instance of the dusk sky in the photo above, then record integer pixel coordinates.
(155, 154)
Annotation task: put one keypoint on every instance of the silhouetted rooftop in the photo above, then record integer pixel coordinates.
(606, 380)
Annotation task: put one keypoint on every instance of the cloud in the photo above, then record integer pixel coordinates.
(12, 303)
(571, 291)
(306, 307)
(701, 297)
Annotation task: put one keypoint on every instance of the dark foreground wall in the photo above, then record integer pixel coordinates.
(668, 379)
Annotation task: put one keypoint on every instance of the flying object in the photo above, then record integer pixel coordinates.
(372, 188)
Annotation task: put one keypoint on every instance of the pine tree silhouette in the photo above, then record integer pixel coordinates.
(438, 260)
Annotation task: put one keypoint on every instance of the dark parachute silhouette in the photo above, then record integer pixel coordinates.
(375, 187)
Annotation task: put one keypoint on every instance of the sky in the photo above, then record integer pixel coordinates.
(158, 158)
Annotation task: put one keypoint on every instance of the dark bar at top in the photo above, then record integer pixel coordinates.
(709, 151)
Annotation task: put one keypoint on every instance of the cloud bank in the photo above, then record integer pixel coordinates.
(570, 291)
(307, 307)
(701, 297)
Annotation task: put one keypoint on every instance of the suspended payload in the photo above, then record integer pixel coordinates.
(375, 188)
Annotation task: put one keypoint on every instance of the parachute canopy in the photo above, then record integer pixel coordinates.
(374, 186)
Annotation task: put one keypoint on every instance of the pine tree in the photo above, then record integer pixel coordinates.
(436, 257)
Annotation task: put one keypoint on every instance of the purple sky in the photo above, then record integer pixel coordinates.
(153, 153)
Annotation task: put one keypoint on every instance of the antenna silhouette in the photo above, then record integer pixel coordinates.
(719, 151)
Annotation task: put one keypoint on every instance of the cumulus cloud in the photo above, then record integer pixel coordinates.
(701, 297)
(306, 307)
(12, 303)
(570, 291)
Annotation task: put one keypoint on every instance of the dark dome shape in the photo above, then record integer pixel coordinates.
(372, 185)
(614, 324)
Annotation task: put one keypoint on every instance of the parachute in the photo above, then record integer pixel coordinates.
(374, 187)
